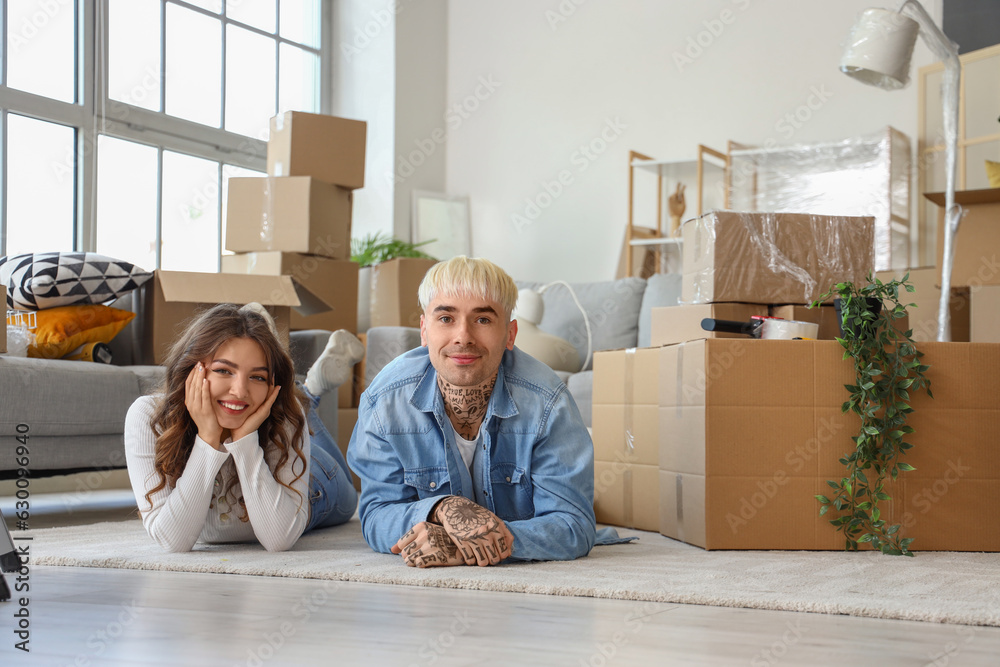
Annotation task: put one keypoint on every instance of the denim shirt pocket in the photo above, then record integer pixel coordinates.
(512, 496)
(428, 481)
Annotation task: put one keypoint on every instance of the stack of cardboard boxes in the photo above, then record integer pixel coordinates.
(975, 278)
(723, 441)
(296, 222)
(291, 231)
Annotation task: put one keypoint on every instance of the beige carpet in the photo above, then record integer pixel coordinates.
(934, 586)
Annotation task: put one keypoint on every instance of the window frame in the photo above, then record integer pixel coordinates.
(94, 114)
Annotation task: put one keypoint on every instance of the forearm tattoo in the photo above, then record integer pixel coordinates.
(466, 406)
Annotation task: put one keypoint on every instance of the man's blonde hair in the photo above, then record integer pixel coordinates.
(469, 276)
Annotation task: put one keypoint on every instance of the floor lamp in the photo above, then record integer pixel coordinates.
(878, 53)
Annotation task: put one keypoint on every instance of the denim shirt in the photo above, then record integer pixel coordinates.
(533, 467)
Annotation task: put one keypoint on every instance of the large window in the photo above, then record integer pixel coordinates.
(122, 120)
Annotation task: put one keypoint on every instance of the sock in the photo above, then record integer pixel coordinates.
(335, 365)
(262, 311)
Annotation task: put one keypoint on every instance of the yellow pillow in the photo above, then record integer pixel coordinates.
(61, 330)
(993, 173)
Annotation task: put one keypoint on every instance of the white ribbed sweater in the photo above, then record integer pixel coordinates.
(192, 509)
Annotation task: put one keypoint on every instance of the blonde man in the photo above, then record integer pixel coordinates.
(470, 451)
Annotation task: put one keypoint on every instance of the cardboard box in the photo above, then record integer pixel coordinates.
(172, 298)
(327, 148)
(677, 324)
(327, 288)
(984, 314)
(627, 494)
(346, 419)
(394, 292)
(773, 257)
(977, 244)
(752, 430)
(293, 214)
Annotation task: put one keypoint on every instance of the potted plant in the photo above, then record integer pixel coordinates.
(887, 370)
(371, 250)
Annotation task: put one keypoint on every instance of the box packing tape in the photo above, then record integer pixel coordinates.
(629, 435)
(680, 507)
(267, 215)
(677, 400)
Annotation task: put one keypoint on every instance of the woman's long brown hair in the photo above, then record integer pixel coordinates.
(172, 424)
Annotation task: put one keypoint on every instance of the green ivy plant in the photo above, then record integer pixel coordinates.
(377, 248)
(888, 370)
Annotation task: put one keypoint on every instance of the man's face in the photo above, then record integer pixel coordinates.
(466, 337)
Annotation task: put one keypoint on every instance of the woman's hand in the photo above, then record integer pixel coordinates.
(198, 401)
(254, 420)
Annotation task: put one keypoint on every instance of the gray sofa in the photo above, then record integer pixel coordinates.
(618, 310)
(73, 412)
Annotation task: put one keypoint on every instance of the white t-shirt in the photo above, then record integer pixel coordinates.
(467, 447)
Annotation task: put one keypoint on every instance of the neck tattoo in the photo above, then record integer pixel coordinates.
(466, 406)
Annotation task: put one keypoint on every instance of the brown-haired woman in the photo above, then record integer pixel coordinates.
(224, 452)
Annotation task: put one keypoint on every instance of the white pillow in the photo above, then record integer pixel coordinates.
(35, 281)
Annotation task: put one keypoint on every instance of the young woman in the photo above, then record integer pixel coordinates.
(224, 452)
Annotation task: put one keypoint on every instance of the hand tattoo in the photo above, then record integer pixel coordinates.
(481, 537)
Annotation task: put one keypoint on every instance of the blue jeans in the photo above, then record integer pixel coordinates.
(332, 498)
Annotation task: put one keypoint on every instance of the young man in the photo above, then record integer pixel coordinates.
(470, 451)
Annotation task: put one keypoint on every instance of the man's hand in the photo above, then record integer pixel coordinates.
(481, 536)
(427, 545)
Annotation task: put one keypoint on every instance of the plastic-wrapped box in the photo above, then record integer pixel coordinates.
(867, 175)
(773, 258)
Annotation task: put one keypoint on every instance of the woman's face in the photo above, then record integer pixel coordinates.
(238, 379)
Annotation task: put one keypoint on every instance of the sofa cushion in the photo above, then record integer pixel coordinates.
(62, 330)
(662, 290)
(41, 280)
(612, 308)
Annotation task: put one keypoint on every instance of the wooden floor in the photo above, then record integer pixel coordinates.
(83, 616)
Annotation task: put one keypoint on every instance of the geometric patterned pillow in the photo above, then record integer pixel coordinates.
(35, 281)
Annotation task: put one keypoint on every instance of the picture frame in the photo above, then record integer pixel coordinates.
(443, 220)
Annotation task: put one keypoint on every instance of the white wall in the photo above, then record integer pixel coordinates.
(364, 79)
(421, 66)
(536, 80)
(390, 64)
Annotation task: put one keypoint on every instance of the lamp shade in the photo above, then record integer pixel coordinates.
(879, 49)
